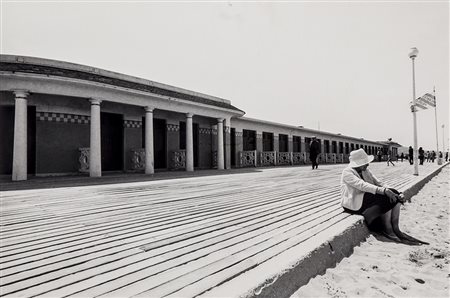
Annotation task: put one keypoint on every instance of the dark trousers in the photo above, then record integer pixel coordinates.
(314, 161)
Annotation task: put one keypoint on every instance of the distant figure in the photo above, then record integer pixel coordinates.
(421, 155)
(389, 158)
(402, 156)
(440, 154)
(379, 155)
(433, 156)
(446, 156)
(411, 155)
(314, 151)
(427, 156)
(362, 193)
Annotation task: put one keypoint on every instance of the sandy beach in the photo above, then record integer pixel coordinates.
(379, 268)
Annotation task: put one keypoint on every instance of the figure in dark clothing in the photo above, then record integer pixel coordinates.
(411, 155)
(433, 156)
(402, 156)
(421, 155)
(314, 151)
(446, 156)
(379, 155)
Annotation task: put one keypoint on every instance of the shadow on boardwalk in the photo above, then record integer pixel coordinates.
(34, 182)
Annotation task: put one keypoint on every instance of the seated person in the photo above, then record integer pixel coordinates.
(362, 193)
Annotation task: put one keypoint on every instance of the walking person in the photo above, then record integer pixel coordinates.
(362, 193)
(446, 156)
(314, 151)
(411, 155)
(402, 156)
(421, 155)
(427, 156)
(389, 159)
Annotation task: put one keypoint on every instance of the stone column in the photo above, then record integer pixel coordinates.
(220, 151)
(19, 166)
(302, 144)
(227, 143)
(149, 154)
(189, 144)
(95, 152)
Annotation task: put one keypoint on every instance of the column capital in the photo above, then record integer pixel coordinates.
(149, 109)
(95, 101)
(220, 120)
(21, 93)
(189, 115)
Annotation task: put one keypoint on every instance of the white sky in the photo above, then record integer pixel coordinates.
(343, 64)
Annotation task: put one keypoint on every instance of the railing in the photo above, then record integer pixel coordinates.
(268, 158)
(83, 159)
(138, 159)
(298, 158)
(247, 159)
(214, 160)
(284, 158)
(178, 160)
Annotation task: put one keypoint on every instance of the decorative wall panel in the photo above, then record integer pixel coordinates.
(178, 160)
(284, 158)
(84, 160)
(138, 159)
(247, 158)
(268, 158)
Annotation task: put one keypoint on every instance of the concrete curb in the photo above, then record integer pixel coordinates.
(327, 255)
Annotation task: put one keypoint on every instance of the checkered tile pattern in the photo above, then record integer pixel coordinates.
(132, 124)
(61, 117)
(205, 131)
(173, 127)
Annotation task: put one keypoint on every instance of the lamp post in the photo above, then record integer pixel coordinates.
(413, 54)
(439, 160)
(443, 138)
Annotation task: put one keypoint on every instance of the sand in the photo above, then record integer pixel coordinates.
(379, 268)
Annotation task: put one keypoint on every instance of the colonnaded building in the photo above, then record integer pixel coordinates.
(59, 118)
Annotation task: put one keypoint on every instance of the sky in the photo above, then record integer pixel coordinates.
(336, 66)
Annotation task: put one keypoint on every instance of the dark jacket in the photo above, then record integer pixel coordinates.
(314, 148)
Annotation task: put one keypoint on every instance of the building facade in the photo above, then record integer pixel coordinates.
(59, 118)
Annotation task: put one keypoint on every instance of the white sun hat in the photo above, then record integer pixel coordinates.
(359, 158)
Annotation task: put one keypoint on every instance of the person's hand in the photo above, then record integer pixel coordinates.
(391, 195)
(401, 198)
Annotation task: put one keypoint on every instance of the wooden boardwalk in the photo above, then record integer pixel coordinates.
(180, 237)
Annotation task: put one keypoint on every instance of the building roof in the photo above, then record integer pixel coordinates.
(32, 65)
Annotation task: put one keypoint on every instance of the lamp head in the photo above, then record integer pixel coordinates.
(414, 52)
